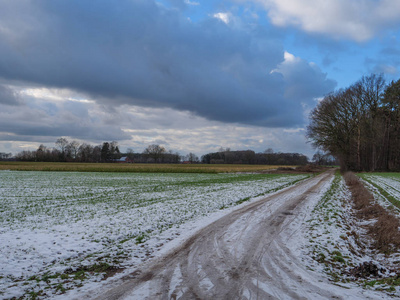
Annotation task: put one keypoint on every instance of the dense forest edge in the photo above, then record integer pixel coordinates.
(360, 125)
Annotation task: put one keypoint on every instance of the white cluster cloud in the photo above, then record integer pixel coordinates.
(357, 20)
(224, 17)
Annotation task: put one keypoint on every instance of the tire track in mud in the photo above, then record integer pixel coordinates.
(243, 255)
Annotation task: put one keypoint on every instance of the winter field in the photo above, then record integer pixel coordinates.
(64, 233)
(63, 230)
(386, 184)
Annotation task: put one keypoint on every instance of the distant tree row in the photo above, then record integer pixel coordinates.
(155, 154)
(250, 157)
(65, 151)
(5, 156)
(360, 125)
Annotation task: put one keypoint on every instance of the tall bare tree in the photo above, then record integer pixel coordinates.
(155, 152)
(360, 125)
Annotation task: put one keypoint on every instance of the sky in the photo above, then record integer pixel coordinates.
(190, 75)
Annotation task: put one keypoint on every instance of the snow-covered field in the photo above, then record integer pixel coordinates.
(308, 252)
(60, 230)
(389, 182)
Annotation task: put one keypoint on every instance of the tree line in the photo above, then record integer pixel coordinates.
(73, 151)
(360, 125)
(155, 154)
(5, 156)
(268, 157)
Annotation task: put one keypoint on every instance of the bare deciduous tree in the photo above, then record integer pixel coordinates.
(155, 152)
(360, 125)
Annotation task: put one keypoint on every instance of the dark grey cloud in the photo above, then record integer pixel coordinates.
(140, 53)
(303, 80)
(8, 96)
(42, 120)
(26, 138)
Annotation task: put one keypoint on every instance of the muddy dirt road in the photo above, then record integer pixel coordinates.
(244, 255)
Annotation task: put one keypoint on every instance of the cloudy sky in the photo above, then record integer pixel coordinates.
(191, 75)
